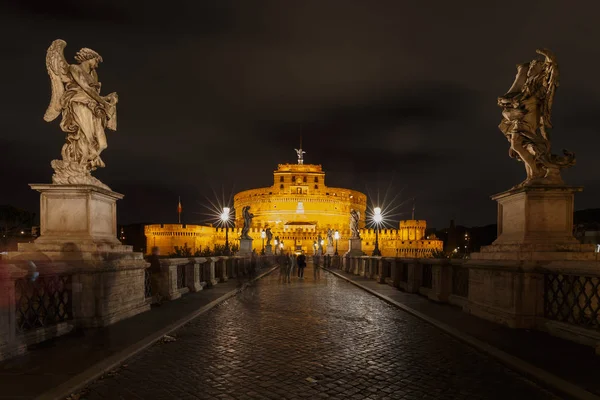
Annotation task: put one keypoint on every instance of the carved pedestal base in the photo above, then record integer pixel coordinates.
(245, 247)
(269, 250)
(77, 222)
(354, 247)
(330, 250)
(536, 223)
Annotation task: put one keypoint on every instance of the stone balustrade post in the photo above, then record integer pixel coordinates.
(441, 281)
(10, 346)
(223, 269)
(414, 276)
(395, 272)
(212, 271)
(168, 289)
(195, 285)
(382, 269)
(356, 261)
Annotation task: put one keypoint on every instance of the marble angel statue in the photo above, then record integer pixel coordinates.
(354, 219)
(85, 114)
(329, 237)
(247, 215)
(526, 120)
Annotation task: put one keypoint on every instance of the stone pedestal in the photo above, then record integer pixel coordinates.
(330, 250)
(354, 247)
(536, 223)
(245, 247)
(78, 237)
(269, 250)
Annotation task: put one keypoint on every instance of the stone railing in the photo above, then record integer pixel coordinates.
(560, 298)
(47, 299)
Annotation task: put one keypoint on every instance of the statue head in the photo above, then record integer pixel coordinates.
(86, 54)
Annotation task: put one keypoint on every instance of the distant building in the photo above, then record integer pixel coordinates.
(298, 208)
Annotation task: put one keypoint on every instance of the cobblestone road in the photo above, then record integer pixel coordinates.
(311, 339)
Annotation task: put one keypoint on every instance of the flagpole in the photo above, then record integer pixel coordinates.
(179, 210)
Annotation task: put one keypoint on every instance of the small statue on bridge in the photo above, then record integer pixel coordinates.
(320, 244)
(269, 235)
(526, 120)
(329, 237)
(247, 222)
(354, 219)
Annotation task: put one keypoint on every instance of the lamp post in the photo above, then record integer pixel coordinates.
(336, 236)
(377, 218)
(225, 219)
(263, 235)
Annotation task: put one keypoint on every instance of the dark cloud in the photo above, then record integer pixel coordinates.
(214, 94)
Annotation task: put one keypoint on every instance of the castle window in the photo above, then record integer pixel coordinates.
(281, 186)
(316, 186)
(293, 178)
(316, 179)
(304, 179)
(281, 178)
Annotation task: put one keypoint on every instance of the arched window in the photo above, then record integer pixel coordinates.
(281, 178)
(316, 186)
(281, 186)
(304, 179)
(316, 179)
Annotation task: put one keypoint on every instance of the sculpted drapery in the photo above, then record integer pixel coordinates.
(85, 114)
(526, 121)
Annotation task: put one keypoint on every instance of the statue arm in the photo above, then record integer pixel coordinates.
(81, 80)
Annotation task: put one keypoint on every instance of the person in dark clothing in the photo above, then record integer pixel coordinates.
(301, 261)
(155, 272)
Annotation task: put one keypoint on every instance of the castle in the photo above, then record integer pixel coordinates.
(298, 208)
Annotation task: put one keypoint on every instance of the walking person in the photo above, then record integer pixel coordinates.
(301, 261)
(316, 267)
(155, 275)
(291, 265)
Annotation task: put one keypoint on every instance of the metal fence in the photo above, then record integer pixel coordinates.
(147, 283)
(460, 281)
(43, 302)
(574, 299)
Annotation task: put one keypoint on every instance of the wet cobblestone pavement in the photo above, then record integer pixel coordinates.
(311, 339)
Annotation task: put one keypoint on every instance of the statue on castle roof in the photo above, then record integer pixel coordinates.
(354, 219)
(247, 222)
(85, 114)
(300, 153)
(526, 120)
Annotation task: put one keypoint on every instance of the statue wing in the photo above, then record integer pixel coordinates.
(550, 83)
(58, 69)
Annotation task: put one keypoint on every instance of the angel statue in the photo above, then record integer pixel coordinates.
(85, 114)
(354, 218)
(526, 120)
(329, 237)
(269, 235)
(300, 153)
(320, 243)
(247, 222)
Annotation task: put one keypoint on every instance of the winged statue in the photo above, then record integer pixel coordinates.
(354, 219)
(85, 114)
(247, 222)
(526, 121)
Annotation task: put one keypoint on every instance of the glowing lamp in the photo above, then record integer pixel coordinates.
(377, 217)
(336, 235)
(263, 234)
(225, 214)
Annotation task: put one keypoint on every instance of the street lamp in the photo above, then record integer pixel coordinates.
(336, 236)
(377, 218)
(225, 219)
(263, 235)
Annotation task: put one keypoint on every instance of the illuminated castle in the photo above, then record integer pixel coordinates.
(299, 208)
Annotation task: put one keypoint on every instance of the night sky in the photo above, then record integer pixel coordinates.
(386, 94)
